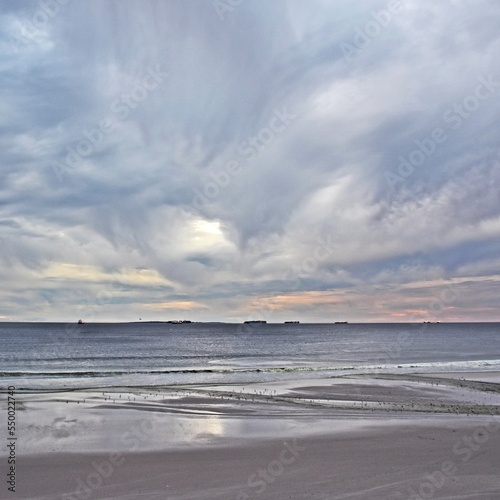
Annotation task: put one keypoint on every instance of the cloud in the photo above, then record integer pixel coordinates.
(178, 305)
(141, 158)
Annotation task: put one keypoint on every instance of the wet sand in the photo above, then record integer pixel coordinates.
(387, 437)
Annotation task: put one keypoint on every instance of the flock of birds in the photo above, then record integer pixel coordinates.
(196, 398)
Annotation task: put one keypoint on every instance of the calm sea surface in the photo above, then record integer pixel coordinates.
(58, 355)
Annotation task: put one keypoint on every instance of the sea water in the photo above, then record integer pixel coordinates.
(59, 355)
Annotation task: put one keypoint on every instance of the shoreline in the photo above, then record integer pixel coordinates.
(373, 436)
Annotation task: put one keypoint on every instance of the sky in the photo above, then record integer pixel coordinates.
(227, 160)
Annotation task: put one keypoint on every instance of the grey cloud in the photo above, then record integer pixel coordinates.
(129, 203)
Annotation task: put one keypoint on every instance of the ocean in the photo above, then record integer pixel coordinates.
(60, 356)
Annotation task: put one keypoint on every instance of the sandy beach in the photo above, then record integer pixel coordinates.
(364, 437)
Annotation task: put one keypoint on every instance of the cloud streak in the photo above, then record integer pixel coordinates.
(190, 164)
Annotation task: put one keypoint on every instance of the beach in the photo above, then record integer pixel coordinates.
(249, 250)
(387, 436)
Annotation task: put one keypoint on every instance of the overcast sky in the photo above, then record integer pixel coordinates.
(316, 160)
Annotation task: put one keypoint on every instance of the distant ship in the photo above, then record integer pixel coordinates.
(80, 322)
(178, 321)
(341, 322)
(254, 321)
(292, 322)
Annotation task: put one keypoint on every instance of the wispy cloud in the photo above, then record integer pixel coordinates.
(116, 115)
